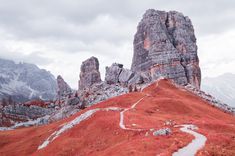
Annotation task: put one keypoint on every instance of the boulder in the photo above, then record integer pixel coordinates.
(136, 79)
(163, 131)
(125, 76)
(112, 73)
(73, 101)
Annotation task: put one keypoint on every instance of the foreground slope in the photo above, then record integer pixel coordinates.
(124, 125)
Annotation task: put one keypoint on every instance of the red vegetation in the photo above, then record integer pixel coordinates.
(39, 103)
(101, 134)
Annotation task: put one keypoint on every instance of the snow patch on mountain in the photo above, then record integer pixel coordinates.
(25, 81)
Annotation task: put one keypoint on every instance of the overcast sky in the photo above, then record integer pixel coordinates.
(59, 34)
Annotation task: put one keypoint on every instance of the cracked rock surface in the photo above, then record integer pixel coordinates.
(165, 45)
(89, 74)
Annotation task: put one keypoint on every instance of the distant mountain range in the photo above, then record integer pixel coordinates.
(221, 87)
(25, 81)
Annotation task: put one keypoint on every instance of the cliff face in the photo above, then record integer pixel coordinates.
(165, 45)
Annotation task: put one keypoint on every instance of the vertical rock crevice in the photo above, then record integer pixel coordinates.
(170, 45)
(89, 73)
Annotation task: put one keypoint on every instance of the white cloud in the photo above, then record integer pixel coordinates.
(217, 53)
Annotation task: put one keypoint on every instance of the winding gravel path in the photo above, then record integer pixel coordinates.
(85, 116)
(121, 123)
(192, 148)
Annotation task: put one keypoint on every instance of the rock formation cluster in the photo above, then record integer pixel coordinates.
(164, 46)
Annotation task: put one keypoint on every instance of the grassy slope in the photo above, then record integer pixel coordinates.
(101, 134)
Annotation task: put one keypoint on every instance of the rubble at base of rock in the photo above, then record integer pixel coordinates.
(209, 98)
(102, 91)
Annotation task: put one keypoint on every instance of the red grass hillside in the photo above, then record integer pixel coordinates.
(36, 102)
(101, 134)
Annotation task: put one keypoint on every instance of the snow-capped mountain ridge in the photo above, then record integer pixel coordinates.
(25, 81)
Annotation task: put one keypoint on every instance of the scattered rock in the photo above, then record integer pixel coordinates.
(163, 131)
(73, 101)
(169, 123)
(63, 113)
(100, 92)
(209, 98)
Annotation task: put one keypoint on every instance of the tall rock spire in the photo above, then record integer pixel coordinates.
(165, 45)
(89, 73)
(63, 87)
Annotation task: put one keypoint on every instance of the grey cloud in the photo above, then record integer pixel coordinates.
(66, 18)
(34, 57)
